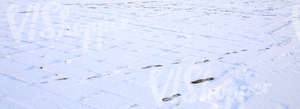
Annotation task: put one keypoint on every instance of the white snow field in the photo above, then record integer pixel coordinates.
(149, 54)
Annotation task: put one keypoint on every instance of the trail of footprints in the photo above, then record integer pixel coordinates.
(150, 5)
(58, 78)
(167, 99)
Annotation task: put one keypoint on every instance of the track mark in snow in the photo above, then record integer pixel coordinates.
(133, 106)
(59, 79)
(176, 63)
(244, 50)
(220, 58)
(234, 52)
(44, 82)
(150, 66)
(264, 49)
(92, 77)
(23, 12)
(42, 67)
(204, 61)
(202, 80)
(171, 98)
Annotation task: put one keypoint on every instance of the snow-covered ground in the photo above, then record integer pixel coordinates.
(149, 54)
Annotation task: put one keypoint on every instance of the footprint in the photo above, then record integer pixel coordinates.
(62, 79)
(92, 7)
(171, 98)
(202, 80)
(244, 50)
(92, 77)
(157, 66)
(25, 12)
(176, 95)
(227, 53)
(44, 82)
(134, 105)
(150, 66)
(235, 52)
(176, 63)
(267, 48)
(204, 61)
(166, 99)
(146, 67)
(42, 68)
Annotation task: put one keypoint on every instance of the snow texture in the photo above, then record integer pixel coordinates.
(149, 54)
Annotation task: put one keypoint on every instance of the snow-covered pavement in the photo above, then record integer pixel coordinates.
(149, 54)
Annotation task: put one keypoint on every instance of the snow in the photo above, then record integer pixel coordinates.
(144, 54)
